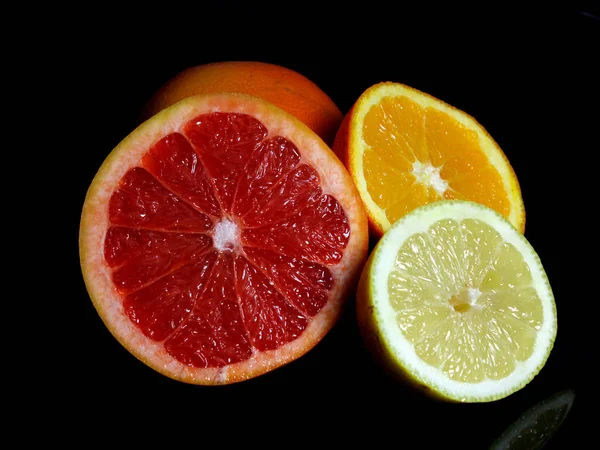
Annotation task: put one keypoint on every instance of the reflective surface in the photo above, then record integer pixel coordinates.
(534, 429)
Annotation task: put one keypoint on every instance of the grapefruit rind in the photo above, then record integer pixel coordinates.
(355, 147)
(128, 153)
(382, 333)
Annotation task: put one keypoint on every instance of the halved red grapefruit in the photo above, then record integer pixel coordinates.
(220, 239)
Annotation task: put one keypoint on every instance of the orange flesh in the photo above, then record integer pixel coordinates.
(221, 241)
(397, 159)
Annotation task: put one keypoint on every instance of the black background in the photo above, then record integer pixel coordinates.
(526, 75)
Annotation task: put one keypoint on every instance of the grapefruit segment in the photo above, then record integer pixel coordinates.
(225, 143)
(158, 309)
(275, 158)
(174, 163)
(220, 239)
(142, 202)
(317, 233)
(270, 319)
(139, 257)
(214, 334)
(298, 189)
(306, 285)
(124, 244)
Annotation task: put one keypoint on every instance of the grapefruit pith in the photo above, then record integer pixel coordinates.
(220, 239)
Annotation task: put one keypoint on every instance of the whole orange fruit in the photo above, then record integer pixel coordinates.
(285, 88)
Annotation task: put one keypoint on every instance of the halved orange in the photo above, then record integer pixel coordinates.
(220, 239)
(405, 148)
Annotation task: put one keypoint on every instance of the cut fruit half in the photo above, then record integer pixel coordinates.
(454, 299)
(220, 239)
(405, 148)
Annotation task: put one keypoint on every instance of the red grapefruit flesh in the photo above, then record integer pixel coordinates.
(220, 239)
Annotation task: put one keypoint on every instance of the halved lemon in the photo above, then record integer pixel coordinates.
(455, 300)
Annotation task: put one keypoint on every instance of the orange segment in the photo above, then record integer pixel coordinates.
(463, 165)
(380, 176)
(405, 148)
(456, 149)
(447, 138)
(485, 187)
(451, 194)
(418, 194)
(396, 126)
